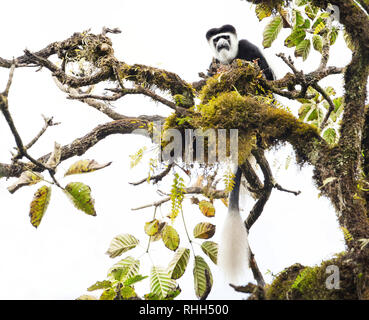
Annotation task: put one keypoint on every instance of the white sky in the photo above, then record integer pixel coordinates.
(65, 254)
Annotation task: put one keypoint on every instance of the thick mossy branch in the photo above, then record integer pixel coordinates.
(242, 76)
(230, 110)
(310, 283)
(165, 81)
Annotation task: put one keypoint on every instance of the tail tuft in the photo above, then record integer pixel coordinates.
(234, 252)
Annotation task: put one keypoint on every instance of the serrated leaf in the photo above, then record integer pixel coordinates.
(100, 285)
(303, 49)
(271, 31)
(178, 264)
(330, 136)
(129, 264)
(39, 205)
(54, 158)
(199, 276)
(207, 208)
(204, 230)
(122, 243)
(85, 166)
(160, 282)
(170, 237)
(80, 194)
(27, 178)
(152, 227)
(318, 43)
(210, 248)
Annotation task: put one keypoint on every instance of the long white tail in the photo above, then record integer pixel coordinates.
(234, 252)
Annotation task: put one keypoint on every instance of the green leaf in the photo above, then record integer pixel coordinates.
(271, 31)
(311, 11)
(85, 166)
(130, 264)
(170, 237)
(333, 35)
(330, 136)
(298, 19)
(295, 38)
(304, 110)
(318, 43)
(178, 264)
(100, 285)
(204, 230)
(210, 248)
(120, 244)
(127, 292)
(207, 208)
(108, 294)
(160, 282)
(199, 276)
(135, 279)
(80, 194)
(303, 49)
(39, 205)
(152, 227)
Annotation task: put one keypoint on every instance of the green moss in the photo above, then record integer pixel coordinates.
(309, 283)
(241, 76)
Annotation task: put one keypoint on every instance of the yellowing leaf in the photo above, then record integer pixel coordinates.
(207, 208)
(160, 282)
(210, 248)
(84, 166)
(178, 265)
(80, 194)
(199, 276)
(27, 178)
(54, 158)
(152, 227)
(121, 244)
(204, 230)
(39, 205)
(170, 237)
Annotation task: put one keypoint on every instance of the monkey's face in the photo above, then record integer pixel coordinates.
(225, 46)
(222, 42)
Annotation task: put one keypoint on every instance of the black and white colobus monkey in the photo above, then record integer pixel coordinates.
(226, 47)
(234, 252)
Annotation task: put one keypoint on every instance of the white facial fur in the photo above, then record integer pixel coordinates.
(225, 56)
